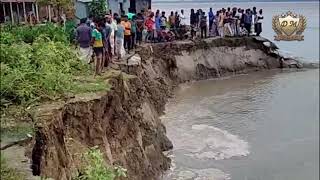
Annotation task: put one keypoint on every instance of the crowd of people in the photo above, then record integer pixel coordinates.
(115, 35)
(107, 39)
(235, 22)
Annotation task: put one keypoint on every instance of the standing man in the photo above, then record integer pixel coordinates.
(106, 32)
(228, 11)
(211, 18)
(97, 42)
(140, 27)
(83, 37)
(158, 26)
(120, 52)
(127, 33)
(238, 17)
(254, 20)
(242, 24)
(172, 20)
(222, 17)
(163, 19)
(197, 18)
(259, 23)
(90, 22)
(149, 25)
(112, 35)
(248, 21)
(177, 21)
(193, 23)
(183, 23)
(133, 31)
(203, 25)
(183, 19)
(110, 40)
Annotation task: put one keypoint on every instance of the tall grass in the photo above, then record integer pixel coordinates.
(28, 34)
(38, 63)
(96, 169)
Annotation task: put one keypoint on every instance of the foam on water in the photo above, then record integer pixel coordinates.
(200, 141)
(195, 140)
(208, 142)
(196, 174)
(210, 123)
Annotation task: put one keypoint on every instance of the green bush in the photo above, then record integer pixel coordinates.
(7, 38)
(96, 168)
(42, 70)
(28, 34)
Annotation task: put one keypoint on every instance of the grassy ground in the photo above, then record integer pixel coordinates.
(38, 64)
(8, 173)
(17, 121)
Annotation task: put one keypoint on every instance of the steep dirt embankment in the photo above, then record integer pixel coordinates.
(124, 121)
(213, 57)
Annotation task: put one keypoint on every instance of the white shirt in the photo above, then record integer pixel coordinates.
(182, 19)
(154, 24)
(239, 15)
(260, 20)
(92, 25)
(253, 19)
(114, 25)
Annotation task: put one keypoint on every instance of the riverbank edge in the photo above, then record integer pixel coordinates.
(124, 122)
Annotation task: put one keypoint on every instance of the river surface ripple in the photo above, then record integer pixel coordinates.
(261, 126)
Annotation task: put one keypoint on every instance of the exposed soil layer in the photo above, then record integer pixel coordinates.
(124, 122)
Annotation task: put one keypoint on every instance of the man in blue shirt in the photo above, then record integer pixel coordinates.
(158, 26)
(211, 18)
(158, 21)
(247, 20)
(83, 37)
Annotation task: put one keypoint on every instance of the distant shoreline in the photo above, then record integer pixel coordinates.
(230, 1)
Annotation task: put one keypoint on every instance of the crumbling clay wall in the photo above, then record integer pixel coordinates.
(190, 60)
(124, 121)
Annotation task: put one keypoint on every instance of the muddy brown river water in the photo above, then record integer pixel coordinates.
(261, 126)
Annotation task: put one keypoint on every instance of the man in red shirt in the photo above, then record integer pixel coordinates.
(150, 24)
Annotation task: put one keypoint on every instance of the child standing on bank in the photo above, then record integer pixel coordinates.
(97, 47)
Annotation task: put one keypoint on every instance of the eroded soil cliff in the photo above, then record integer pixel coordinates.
(124, 121)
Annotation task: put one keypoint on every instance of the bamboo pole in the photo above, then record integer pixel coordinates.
(37, 13)
(4, 9)
(11, 11)
(24, 12)
(49, 10)
(33, 8)
(18, 12)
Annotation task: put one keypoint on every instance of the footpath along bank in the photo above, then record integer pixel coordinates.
(124, 120)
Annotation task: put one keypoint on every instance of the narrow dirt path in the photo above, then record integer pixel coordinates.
(16, 159)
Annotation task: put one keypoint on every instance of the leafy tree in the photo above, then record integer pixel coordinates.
(98, 8)
(67, 5)
(56, 3)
